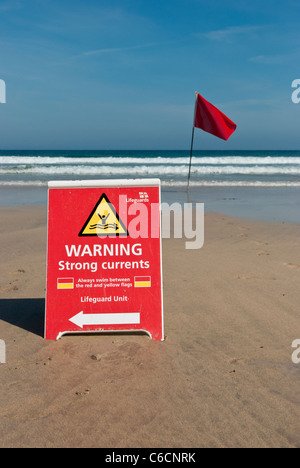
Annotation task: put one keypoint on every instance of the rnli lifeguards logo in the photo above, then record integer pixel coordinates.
(104, 221)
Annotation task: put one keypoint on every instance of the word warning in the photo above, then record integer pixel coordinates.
(102, 274)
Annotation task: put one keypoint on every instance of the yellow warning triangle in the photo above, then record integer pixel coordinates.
(104, 221)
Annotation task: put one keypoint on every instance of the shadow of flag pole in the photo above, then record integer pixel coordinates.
(210, 119)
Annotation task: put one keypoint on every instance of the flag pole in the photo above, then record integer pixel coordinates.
(191, 156)
(192, 144)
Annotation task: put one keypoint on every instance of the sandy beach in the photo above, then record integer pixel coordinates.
(222, 378)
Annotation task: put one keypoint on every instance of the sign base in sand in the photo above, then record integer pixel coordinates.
(104, 264)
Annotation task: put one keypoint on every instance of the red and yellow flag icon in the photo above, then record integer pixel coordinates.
(142, 281)
(65, 283)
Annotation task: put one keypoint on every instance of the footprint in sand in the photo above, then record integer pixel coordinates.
(259, 242)
(83, 394)
(250, 277)
(292, 266)
(245, 277)
(11, 287)
(261, 254)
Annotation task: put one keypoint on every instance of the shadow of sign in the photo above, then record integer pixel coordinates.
(27, 314)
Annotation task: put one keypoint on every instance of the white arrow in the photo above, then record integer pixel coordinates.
(82, 319)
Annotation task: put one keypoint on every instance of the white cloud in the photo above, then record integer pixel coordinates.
(230, 32)
(112, 50)
(118, 49)
(269, 59)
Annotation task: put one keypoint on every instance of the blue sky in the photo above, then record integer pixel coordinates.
(122, 74)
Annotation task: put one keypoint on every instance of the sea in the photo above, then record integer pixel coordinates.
(255, 184)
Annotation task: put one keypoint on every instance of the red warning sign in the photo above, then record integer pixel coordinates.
(104, 264)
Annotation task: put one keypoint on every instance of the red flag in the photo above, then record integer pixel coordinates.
(212, 120)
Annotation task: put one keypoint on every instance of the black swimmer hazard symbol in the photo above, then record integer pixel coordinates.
(104, 221)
